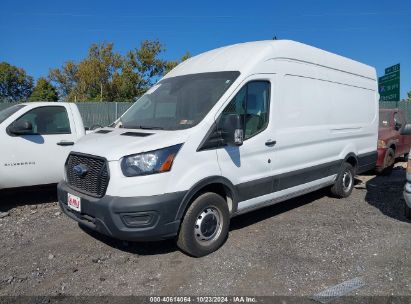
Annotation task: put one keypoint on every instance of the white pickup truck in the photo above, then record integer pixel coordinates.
(35, 139)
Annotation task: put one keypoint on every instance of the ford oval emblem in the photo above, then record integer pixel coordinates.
(80, 170)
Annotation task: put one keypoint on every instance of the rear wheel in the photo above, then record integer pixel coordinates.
(205, 225)
(345, 181)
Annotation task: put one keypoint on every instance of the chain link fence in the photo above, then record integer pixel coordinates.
(94, 113)
(104, 113)
(402, 105)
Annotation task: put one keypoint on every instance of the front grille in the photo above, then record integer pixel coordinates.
(95, 181)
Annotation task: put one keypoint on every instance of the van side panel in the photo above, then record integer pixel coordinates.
(320, 116)
(319, 121)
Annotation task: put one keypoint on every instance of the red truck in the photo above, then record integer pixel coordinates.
(391, 144)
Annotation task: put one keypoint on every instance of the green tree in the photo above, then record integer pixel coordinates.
(15, 84)
(409, 95)
(65, 78)
(141, 68)
(44, 91)
(172, 64)
(94, 74)
(105, 75)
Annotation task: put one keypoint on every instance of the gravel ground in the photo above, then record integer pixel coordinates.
(298, 247)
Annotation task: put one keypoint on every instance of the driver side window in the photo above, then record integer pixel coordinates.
(48, 120)
(252, 103)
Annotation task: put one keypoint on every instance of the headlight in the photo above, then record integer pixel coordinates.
(157, 161)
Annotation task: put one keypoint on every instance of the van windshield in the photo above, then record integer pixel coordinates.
(6, 113)
(178, 102)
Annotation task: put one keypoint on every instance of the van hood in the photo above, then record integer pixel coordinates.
(115, 143)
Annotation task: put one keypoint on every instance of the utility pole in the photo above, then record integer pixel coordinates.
(101, 91)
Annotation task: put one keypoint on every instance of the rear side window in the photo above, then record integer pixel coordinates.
(252, 102)
(48, 120)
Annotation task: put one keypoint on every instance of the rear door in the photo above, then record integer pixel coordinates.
(38, 158)
(249, 165)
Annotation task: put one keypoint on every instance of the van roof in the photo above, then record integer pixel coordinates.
(244, 56)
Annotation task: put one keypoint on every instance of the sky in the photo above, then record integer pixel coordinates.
(39, 35)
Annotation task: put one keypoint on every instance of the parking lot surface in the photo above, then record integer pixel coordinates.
(298, 247)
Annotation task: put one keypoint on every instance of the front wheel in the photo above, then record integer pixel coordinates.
(345, 182)
(205, 225)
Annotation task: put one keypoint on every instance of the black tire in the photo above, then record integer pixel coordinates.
(407, 212)
(388, 164)
(389, 161)
(205, 225)
(344, 184)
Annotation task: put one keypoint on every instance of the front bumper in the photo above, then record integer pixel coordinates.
(145, 218)
(407, 194)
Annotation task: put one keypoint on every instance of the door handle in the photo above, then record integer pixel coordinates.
(65, 143)
(270, 143)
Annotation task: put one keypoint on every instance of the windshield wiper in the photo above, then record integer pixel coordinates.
(143, 127)
(150, 128)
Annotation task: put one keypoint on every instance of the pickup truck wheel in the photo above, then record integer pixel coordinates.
(345, 182)
(205, 225)
(389, 161)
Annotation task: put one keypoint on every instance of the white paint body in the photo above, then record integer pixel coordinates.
(29, 160)
(323, 107)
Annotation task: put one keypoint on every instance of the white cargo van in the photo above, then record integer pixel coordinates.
(225, 132)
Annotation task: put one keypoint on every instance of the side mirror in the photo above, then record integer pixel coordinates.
(21, 127)
(397, 126)
(232, 127)
(406, 130)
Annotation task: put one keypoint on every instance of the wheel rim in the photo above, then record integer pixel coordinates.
(347, 181)
(208, 225)
(391, 160)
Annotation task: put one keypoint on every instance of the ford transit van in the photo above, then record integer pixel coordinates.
(226, 132)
